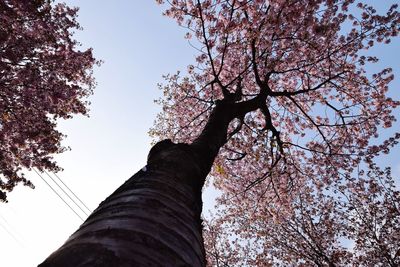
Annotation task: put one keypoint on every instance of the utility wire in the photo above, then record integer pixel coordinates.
(10, 226)
(10, 233)
(68, 195)
(57, 194)
(55, 174)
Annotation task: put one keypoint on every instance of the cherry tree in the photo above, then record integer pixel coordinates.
(356, 223)
(373, 206)
(44, 77)
(308, 107)
(305, 64)
(278, 99)
(309, 236)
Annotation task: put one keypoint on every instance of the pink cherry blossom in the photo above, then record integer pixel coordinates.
(309, 110)
(44, 77)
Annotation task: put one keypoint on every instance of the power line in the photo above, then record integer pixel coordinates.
(68, 195)
(10, 226)
(9, 232)
(55, 174)
(58, 194)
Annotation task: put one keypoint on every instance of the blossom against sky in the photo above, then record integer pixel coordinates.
(138, 46)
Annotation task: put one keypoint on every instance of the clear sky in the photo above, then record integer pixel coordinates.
(138, 45)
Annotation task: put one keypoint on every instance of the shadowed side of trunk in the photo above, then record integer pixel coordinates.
(151, 220)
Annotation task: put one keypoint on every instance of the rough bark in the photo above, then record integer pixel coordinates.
(153, 219)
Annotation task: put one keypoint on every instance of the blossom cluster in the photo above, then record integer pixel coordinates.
(44, 77)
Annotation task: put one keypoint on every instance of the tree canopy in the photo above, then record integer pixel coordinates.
(356, 224)
(307, 109)
(44, 77)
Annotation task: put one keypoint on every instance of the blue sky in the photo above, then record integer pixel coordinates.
(138, 45)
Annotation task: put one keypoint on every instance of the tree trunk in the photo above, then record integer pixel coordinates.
(153, 219)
